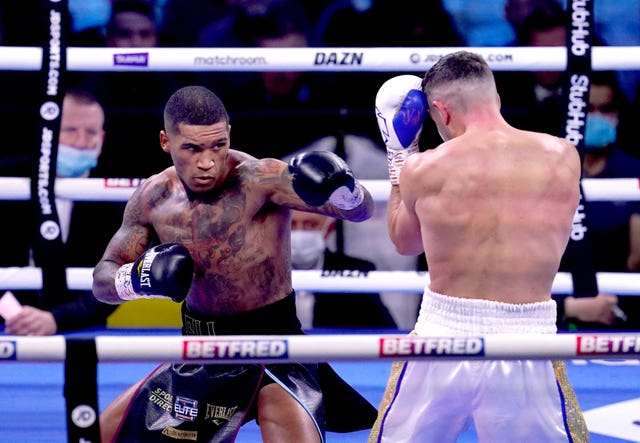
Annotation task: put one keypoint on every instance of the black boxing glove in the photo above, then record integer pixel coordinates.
(318, 176)
(164, 271)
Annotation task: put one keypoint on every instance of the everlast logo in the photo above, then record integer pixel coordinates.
(145, 277)
(335, 58)
(218, 414)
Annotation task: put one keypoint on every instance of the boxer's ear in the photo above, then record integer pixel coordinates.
(164, 141)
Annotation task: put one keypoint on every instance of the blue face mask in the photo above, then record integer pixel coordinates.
(599, 133)
(74, 162)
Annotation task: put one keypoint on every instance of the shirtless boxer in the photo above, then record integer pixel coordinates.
(492, 208)
(222, 221)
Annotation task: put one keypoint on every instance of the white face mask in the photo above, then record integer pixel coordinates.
(306, 248)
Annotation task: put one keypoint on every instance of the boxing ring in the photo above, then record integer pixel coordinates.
(38, 372)
(601, 368)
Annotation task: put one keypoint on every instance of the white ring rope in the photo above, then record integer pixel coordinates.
(321, 59)
(315, 348)
(120, 189)
(17, 278)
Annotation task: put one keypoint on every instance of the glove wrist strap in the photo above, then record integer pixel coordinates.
(345, 199)
(124, 286)
(396, 159)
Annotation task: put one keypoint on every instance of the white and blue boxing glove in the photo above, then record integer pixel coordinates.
(401, 108)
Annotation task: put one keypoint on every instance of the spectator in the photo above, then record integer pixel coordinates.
(617, 24)
(481, 23)
(133, 101)
(534, 100)
(184, 19)
(261, 100)
(370, 24)
(614, 234)
(82, 223)
(370, 239)
(309, 250)
(627, 130)
(132, 25)
(382, 23)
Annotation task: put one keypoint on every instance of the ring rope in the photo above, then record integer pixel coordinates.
(620, 283)
(315, 348)
(320, 59)
(120, 189)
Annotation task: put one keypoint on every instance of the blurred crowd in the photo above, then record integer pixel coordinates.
(275, 114)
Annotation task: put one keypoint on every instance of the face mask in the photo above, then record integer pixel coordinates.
(74, 162)
(306, 248)
(599, 133)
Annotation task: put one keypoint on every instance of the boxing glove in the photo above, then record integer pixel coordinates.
(401, 108)
(318, 176)
(164, 271)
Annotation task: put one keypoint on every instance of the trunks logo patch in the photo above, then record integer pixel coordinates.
(179, 434)
(132, 59)
(437, 346)
(185, 408)
(219, 414)
(7, 350)
(216, 349)
(608, 344)
(162, 399)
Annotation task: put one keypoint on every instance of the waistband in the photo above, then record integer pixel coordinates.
(277, 318)
(476, 316)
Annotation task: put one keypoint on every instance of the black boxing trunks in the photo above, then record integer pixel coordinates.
(209, 403)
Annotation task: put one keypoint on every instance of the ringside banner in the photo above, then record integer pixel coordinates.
(47, 244)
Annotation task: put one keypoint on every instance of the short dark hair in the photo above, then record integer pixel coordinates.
(193, 105)
(82, 96)
(461, 65)
(543, 18)
(141, 7)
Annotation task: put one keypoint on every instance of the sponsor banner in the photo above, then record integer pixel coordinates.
(138, 59)
(122, 182)
(576, 97)
(314, 59)
(608, 345)
(432, 346)
(47, 238)
(8, 350)
(216, 349)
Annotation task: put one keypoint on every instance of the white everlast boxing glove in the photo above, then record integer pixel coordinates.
(164, 271)
(401, 108)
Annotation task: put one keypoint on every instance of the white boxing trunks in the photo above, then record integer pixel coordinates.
(507, 400)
